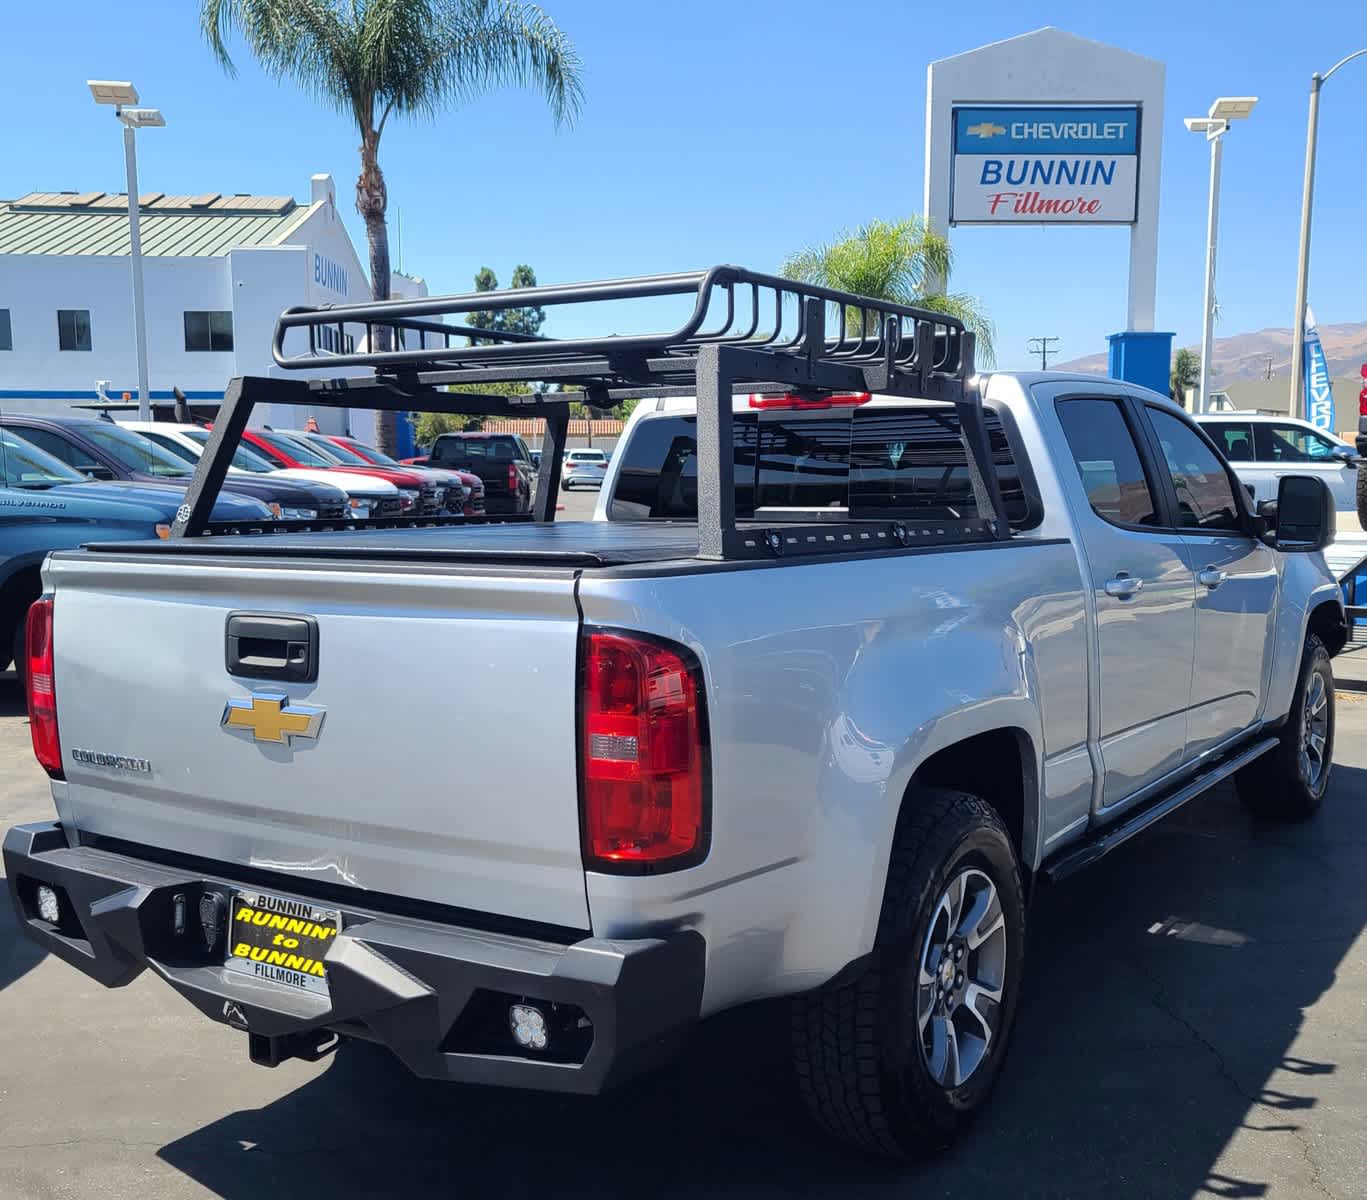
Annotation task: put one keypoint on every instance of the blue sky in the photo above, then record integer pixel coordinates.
(739, 131)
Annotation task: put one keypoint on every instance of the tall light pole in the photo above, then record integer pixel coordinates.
(1312, 130)
(124, 97)
(1214, 125)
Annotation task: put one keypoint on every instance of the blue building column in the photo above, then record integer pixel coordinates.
(405, 443)
(1141, 357)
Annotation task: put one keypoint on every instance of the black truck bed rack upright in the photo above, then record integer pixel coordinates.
(747, 332)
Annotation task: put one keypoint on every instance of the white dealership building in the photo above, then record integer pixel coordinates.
(218, 269)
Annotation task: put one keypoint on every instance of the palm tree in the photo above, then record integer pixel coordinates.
(1186, 374)
(895, 261)
(376, 59)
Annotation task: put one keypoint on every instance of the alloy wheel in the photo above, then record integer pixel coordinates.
(962, 972)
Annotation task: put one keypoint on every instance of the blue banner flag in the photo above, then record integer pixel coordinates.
(1319, 388)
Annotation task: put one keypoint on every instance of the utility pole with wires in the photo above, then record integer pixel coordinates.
(1043, 346)
(1267, 366)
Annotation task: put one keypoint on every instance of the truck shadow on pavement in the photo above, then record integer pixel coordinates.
(1164, 994)
(18, 953)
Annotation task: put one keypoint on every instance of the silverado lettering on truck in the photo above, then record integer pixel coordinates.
(862, 649)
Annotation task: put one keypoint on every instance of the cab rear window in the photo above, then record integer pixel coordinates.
(877, 462)
(460, 452)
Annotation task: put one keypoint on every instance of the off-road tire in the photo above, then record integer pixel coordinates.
(1362, 496)
(856, 1047)
(1275, 785)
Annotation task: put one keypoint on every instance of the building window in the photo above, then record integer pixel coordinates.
(333, 342)
(73, 329)
(6, 338)
(208, 331)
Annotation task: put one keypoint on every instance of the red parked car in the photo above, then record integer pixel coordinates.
(289, 448)
(472, 484)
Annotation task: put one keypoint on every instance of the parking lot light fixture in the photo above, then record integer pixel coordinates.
(124, 98)
(112, 91)
(1214, 125)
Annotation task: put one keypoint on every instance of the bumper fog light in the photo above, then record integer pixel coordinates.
(528, 1026)
(49, 909)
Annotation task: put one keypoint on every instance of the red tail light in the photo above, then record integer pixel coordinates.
(644, 756)
(793, 400)
(42, 695)
(512, 477)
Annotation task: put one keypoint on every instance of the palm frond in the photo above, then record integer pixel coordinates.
(897, 261)
(482, 44)
(970, 311)
(413, 57)
(307, 41)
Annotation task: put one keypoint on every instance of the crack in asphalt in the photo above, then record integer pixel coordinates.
(1160, 1002)
(80, 1141)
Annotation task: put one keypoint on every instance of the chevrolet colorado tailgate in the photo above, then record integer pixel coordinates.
(432, 756)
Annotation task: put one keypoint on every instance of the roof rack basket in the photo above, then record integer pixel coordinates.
(746, 332)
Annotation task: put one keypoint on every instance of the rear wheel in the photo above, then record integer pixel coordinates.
(1288, 783)
(898, 1061)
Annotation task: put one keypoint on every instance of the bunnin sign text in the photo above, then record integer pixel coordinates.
(328, 274)
(1063, 164)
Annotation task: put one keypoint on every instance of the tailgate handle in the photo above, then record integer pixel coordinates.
(272, 646)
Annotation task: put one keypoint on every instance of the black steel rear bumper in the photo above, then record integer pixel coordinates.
(435, 994)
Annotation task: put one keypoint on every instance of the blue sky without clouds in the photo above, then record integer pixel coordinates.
(738, 132)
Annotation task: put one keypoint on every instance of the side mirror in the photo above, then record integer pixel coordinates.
(1345, 455)
(1302, 517)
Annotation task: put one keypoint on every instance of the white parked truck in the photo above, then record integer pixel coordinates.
(869, 649)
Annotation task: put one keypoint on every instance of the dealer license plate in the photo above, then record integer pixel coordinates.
(281, 941)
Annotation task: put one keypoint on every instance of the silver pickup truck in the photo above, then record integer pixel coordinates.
(866, 649)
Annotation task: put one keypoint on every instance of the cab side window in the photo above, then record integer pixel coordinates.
(1205, 496)
(59, 447)
(1235, 439)
(1108, 461)
(1291, 443)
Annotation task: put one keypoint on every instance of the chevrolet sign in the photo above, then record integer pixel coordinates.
(1064, 164)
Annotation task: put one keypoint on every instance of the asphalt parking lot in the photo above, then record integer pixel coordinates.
(1195, 1023)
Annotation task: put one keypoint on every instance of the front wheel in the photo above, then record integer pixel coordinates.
(898, 1061)
(1289, 782)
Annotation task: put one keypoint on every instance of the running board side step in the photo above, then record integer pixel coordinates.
(1106, 839)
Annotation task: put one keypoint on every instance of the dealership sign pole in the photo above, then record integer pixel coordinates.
(1053, 129)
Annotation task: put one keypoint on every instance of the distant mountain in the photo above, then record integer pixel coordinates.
(1244, 356)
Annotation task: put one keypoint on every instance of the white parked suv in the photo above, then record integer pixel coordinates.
(583, 467)
(1262, 449)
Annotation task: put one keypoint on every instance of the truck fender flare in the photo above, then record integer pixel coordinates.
(1016, 716)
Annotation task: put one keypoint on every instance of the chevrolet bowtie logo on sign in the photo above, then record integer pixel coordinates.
(985, 130)
(270, 717)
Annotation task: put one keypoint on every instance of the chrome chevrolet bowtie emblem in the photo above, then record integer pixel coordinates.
(270, 717)
(985, 130)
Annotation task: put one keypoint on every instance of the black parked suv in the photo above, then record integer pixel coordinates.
(501, 460)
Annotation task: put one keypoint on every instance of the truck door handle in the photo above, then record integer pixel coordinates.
(272, 646)
(1124, 585)
(1212, 577)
